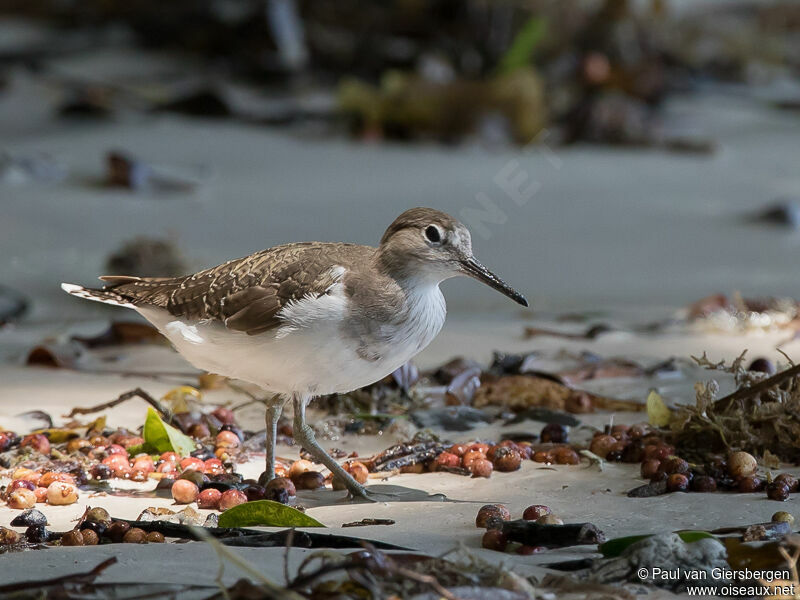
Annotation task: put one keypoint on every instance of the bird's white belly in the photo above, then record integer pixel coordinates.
(314, 359)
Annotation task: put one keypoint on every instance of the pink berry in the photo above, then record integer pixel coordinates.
(209, 498)
(184, 491)
(535, 512)
(231, 498)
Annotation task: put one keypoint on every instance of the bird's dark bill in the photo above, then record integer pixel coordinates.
(475, 269)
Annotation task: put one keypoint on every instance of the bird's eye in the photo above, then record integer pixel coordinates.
(432, 234)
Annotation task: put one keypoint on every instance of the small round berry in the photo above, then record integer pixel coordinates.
(762, 365)
(8, 536)
(224, 415)
(489, 511)
(447, 460)
(184, 491)
(360, 472)
(310, 480)
(748, 485)
(61, 492)
(602, 444)
(155, 537)
(677, 482)
(22, 498)
(36, 441)
(704, 483)
(90, 537)
(51, 476)
(555, 433)
(778, 491)
(458, 449)
(482, 468)
(72, 538)
(566, 456)
(298, 467)
(650, 467)
(213, 466)
(674, 464)
(507, 459)
(783, 517)
(144, 463)
(117, 530)
(134, 535)
(41, 494)
(789, 480)
(191, 463)
(283, 483)
(741, 464)
(98, 514)
(494, 539)
(255, 492)
(535, 511)
(199, 431)
(470, 456)
(227, 439)
(101, 471)
(209, 499)
(231, 498)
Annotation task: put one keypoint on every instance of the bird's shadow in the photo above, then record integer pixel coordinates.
(379, 493)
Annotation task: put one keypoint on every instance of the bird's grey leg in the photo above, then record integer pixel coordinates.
(304, 435)
(273, 413)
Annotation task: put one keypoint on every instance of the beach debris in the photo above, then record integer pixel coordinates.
(369, 522)
(62, 583)
(641, 562)
(522, 392)
(125, 171)
(147, 257)
(13, 305)
(21, 169)
(738, 314)
(784, 212)
(122, 332)
(758, 417)
(87, 101)
(758, 532)
(205, 102)
(407, 106)
(530, 533)
(449, 418)
(66, 355)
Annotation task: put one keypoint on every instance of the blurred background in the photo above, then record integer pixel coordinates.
(604, 153)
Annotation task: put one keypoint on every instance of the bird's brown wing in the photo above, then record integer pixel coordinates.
(246, 294)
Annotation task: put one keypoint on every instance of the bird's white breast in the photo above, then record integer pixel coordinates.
(310, 353)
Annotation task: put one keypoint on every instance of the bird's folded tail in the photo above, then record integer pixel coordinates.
(107, 296)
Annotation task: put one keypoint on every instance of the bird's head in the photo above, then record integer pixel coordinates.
(427, 244)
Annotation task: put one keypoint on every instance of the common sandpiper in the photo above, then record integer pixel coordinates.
(310, 318)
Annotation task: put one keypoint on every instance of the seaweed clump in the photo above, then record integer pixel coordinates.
(761, 417)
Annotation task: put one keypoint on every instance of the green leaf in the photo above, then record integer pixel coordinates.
(617, 546)
(525, 42)
(658, 413)
(267, 513)
(160, 437)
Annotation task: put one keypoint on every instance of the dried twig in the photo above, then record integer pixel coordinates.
(85, 577)
(762, 386)
(366, 522)
(138, 392)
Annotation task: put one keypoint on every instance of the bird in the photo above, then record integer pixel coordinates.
(308, 319)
